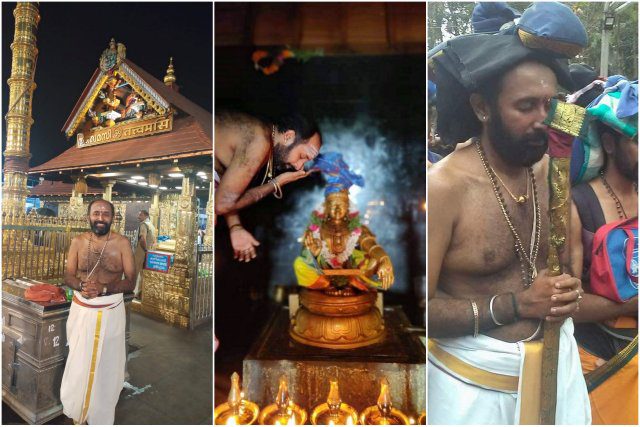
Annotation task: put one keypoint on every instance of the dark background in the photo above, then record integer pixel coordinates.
(71, 38)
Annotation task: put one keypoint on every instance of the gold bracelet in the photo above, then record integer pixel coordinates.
(476, 319)
(277, 191)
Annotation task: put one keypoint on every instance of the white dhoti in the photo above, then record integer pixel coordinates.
(94, 373)
(487, 381)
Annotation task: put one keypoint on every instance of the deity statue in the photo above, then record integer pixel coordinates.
(111, 102)
(341, 268)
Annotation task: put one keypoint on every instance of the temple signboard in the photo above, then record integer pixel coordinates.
(158, 261)
(125, 131)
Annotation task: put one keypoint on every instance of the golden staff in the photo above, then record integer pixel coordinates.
(566, 122)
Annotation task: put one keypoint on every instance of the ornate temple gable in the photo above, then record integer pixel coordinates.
(118, 104)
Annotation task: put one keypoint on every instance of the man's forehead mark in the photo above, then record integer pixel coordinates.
(100, 207)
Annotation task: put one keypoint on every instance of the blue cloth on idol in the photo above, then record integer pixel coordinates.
(553, 21)
(336, 172)
(489, 17)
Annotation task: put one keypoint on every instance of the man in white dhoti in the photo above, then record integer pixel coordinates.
(94, 373)
(488, 240)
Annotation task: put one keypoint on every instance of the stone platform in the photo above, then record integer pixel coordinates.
(401, 357)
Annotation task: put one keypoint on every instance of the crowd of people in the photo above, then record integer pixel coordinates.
(501, 101)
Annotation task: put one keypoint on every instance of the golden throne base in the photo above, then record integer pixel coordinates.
(337, 322)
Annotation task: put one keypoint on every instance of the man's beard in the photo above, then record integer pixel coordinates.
(523, 151)
(280, 155)
(100, 231)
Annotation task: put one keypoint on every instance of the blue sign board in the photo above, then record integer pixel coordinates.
(158, 261)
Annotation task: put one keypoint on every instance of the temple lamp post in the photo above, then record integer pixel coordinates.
(607, 26)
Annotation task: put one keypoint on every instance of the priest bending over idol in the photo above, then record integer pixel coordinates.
(243, 146)
(489, 289)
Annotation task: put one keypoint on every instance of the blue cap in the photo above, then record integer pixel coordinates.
(553, 27)
(489, 17)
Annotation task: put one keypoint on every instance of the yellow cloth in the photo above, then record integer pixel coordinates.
(528, 383)
(310, 276)
(615, 401)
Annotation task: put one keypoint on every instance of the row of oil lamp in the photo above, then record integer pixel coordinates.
(239, 411)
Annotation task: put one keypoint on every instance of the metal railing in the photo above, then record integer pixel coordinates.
(202, 290)
(36, 246)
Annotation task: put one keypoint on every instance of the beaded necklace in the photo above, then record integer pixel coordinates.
(268, 174)
(99, 256)
(527, 260)
(621, 212)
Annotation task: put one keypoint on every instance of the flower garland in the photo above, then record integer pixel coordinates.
(270, 62)
(326, 256)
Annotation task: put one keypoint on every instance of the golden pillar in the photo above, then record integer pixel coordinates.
(208, 234)
(186, 222)
(108, 190)
(19, 121)
(76, 201)
(154, 210)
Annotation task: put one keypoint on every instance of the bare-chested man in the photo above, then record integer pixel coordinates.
(243, 145)
(488, 288)
(100, 267)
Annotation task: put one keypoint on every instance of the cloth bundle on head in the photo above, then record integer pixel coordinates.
(553, 28)
(491, 17)
(616, 107)
(466, 63)
(336, 172)
(586, 78)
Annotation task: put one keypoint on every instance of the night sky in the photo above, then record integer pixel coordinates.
(71, 38)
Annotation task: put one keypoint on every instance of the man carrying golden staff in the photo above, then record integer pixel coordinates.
(94, 373)
(489, 291)
(245, 144)
(606, 165)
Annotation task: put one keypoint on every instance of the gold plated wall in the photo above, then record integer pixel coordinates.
(208, 235)
(19, 121)
(168, 215)
(168, 295)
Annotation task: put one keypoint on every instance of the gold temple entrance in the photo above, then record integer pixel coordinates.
(140, 144)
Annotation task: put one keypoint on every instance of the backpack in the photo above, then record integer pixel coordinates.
(614, 260)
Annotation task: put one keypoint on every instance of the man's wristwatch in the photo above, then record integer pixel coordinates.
(104, 290)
